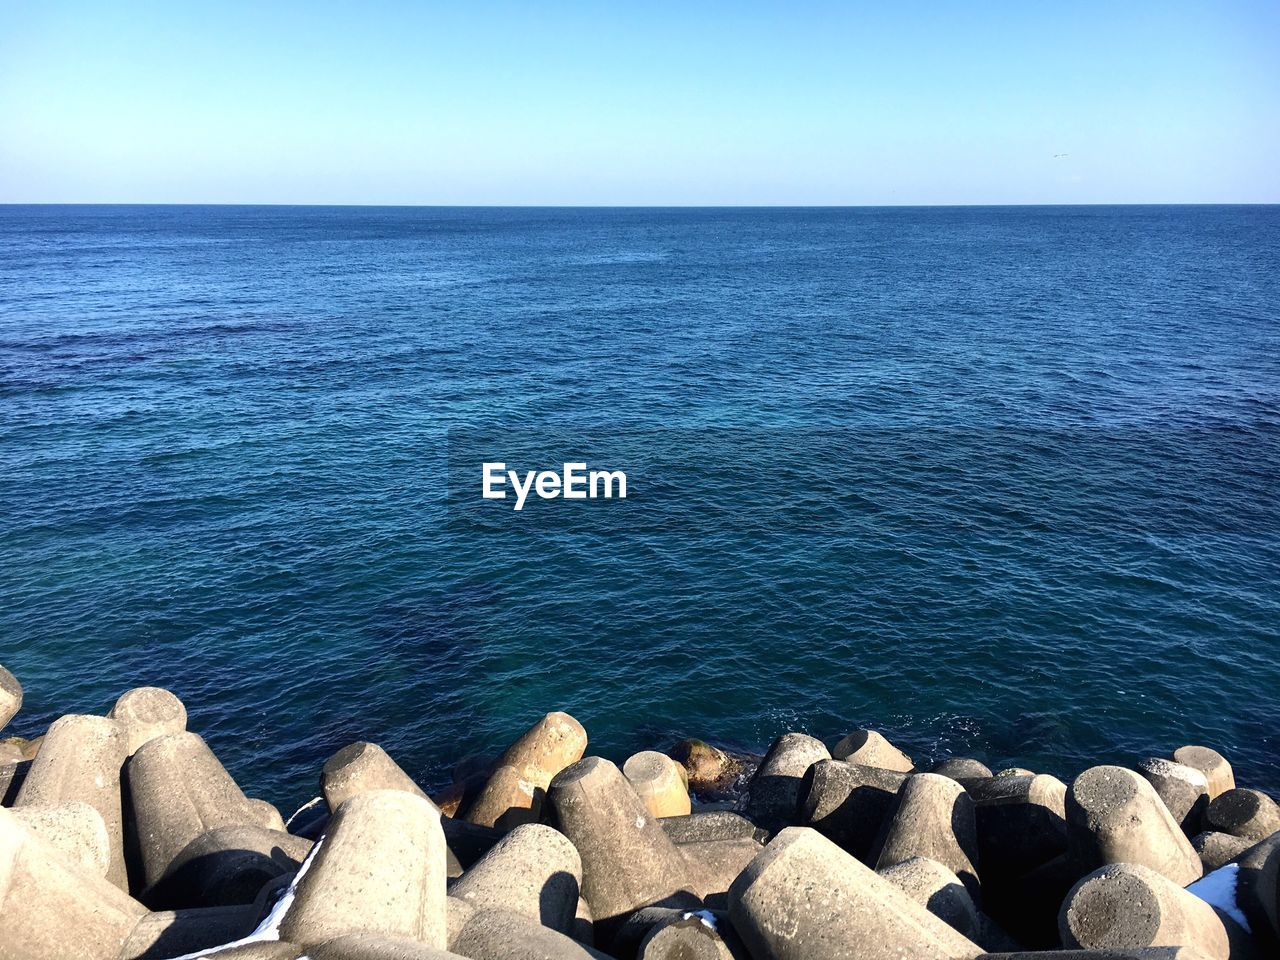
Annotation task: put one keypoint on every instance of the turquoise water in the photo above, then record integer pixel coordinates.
(999, 481)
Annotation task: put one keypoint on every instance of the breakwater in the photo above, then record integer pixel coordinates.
(122, 837)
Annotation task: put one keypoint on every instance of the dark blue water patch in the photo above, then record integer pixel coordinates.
(998, 481)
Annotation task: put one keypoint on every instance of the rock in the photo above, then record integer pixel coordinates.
(227, 866)
(80, 762)
(10, 697)
(1250, 814)
(1213, 765)
(962, 768)
(804, 898)
(180, 791)
(870, 749)
(709, 770)
(1184, 790)
(1127, 906)
(370, 946)
(501, 935)
(515, 792)
(159, 936)
(1021, 823)
(713, 865)
(939, 891)
(75, 830)
(1217, 849)
(362, 768)
(934, 819)
(51, 909)
(1115, 816)
(145, 713)
(700, 826)
(849, 803)
(379, 869)
(533, 871)
(628, 862)
(773, 792)
(660, 782)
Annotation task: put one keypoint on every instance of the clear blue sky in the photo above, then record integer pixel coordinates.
(640, 103)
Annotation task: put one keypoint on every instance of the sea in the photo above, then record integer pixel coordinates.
(1000, 482)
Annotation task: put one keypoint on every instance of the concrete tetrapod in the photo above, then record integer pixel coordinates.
(775, 787)
(522, 775)
(1115, 816)
(362, 768)
(1021, 823)
(502, 935)
(75, 830)
(1212, 764)
(10, 696)
(713, 865)
(849, 803)
(52, 910)
(368, 946)
(660, 782)
(533, 871)
(1250, 814)
(1184, 790)
(227, 866)
(628, 862)
(171, 933)
(379, 869)
(804, 898)
(939, 891)
(693, 936)
(179, 791)
(145, 713)
(1124, 905)
(1216, 849)
(962, 769)
(79, 762)
(934, 819)
(701, 826)
(870, 749)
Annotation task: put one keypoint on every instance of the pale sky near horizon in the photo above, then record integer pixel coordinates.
(651, 103)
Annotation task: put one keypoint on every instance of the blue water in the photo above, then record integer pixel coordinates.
(997, 481)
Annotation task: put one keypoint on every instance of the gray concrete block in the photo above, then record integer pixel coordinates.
(501, 935)
(871, 749)
(1218, 849)
(1021, 822)
(1127, 906)
(1241, 812)
(934, 819)
(773, 793)
(174, 933)
(692, 937)
(962, 769)
(1212, 764)
(362, 768)
(75, 830)
(804, 898)
(700, 826)
(937, 889)
(10, 696)
(227, 866)
(628, 862)
(713, 865)
(660, 782)
(525, 770)
(1115, 816)
(533, 871)
(379, 869)
(80, 762)
(145, 713)
(849, 803)
(1184, 790)
(369, 946)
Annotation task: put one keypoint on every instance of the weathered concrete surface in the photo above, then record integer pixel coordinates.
(1015, 772)
(849, 803)
(179, 790)
(173, 933)
(1184, 790)
(1115, 816)
(962, 769)
(75, 830)
(871, 749)
(52, 910)
(934, 818)
(227, 866)
(1125, 906)
(501, 935)
(701, 826)
(660, 782)
(1250, 814)
(1145, 953)
(1021, 822)
(368, 946)
(362, 768)
(1212, 764)
(938, 890)
(713, 865)
(709, 770)
(533, 871)
(628, 862)
(775, 788)
(266, 815)
(80, 762)
(10, 696)
(804, 898)
(1217, 849)
(691, 937)
(524, 772)
(145, 713)
(380, 869)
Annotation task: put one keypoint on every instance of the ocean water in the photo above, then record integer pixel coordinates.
(1000, 482)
